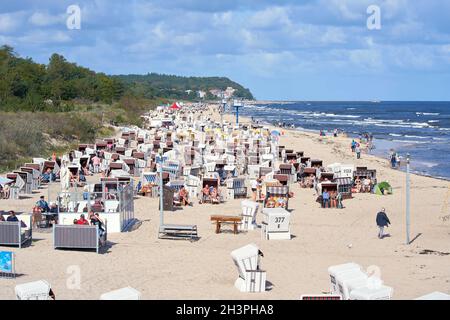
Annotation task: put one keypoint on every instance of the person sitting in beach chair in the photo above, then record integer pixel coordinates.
(367, 185)
(96, 220)
(205, 194)
(48, 176)
(214, 196)
(74, 179)
(12, 217)
(358, 185)
(333, 199)
(82, 176)
(85, 171)
(310, 181)
(42, 204)
(109, 195)
(183, 197)
(82, 220)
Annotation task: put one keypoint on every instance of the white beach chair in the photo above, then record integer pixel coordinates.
(253, 171)
(357, 278)
(367, 293)
(71, 206)
(251, 277)
(435, 296)
(127, 293)
(210, 167)
(336, 270)
(37, 290)
(249, 211)
(111, 206)
(276, 224)
(81, 206)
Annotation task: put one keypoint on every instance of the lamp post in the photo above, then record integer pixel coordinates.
(160, 160)
(237, 104)
(408, 158)
(222, 110)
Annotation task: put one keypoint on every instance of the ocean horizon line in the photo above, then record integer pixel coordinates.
(367, 101)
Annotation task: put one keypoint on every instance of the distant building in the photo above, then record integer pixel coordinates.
(229, 92)
(217, 92)
(188, 91)
(201, 94)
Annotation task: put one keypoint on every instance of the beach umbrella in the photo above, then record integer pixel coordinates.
(276, 133)
(175, 106)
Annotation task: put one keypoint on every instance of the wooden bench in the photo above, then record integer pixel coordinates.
(219, 220)
(174, 231)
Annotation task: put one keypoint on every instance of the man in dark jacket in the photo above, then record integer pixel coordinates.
(382, 221)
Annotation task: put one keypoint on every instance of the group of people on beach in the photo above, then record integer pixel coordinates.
(394, 158)
(331, 199)
(94, 220)
(11, 217)
(362, 185)
(307, 182)
(209, 194)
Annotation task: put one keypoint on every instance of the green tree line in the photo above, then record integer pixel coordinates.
(29, 86)
(175, 87)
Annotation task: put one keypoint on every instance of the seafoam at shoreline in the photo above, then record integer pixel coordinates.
(374, 153)
(401, 125)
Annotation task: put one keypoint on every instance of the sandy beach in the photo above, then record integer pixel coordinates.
(165, 269)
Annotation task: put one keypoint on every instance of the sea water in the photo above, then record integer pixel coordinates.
(421, 129)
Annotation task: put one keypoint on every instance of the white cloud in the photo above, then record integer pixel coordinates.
(347, 9)
(223, 19)
(271, 17)
(39, 37)
(9, 22)
(42, 19)
(334, 35)
(366, 59)
(255, 38)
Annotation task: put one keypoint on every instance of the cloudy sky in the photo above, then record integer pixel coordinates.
(280, 49)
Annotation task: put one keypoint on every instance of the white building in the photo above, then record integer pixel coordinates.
(229, 92)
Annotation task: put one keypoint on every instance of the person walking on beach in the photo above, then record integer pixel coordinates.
(358, 151)
(382, 221)
(96, 163)
(393, 160)
(353, 145)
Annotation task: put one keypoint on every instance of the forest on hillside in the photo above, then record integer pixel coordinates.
(57, 86)
(51, 107)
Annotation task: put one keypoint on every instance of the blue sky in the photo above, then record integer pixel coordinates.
(286, 50)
